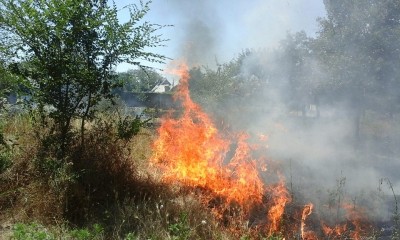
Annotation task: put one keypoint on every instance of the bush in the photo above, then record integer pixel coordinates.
(180, 230)
(31, 231)
(5, 160)
(128, 127)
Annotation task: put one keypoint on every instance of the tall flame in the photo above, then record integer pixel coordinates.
(306, 235)
(280, 197)
(191, 151)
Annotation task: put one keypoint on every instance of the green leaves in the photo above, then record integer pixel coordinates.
(358, 42)
(72, 48)
(139, 80)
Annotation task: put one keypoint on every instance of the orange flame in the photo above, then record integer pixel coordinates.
(280, 197)
(306, 235)
(191, 151)
(357, 219)
(335, 231)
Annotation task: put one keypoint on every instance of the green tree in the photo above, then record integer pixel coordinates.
(358, 45)
(139, 80)
(297, 68)
(230, 89)
(7, 82)
(72, 47)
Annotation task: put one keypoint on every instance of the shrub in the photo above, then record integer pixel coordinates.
(128, 127)
(5, 160)
(180, 229)
(32, 231)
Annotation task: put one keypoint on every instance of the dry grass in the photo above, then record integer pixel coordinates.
(106, 182)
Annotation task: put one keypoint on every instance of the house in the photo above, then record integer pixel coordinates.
(162, 87)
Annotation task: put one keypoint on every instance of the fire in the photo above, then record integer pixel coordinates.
(355, 218)
(336, 231)
(306, 235)
(191, 151)
(280, 197)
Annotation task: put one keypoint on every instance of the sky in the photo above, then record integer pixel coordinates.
(205, 31)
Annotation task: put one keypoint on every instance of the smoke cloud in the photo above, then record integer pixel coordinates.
(318, 155)
(207, 31)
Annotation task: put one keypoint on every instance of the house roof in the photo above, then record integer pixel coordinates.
(161, 86)
(165, 82)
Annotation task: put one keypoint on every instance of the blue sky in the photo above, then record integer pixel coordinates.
(207, 31)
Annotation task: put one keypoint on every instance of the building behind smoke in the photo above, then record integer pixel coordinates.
(159, 97)
(162, 87)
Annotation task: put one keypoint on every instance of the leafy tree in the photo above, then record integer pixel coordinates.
(7, 84)
(297, 67)
(228, 90)
(211, 87)
(71, 48)
(358, 44)
(139, 80)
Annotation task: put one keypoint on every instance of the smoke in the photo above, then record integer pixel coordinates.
(200, 43)
(198, 30)
(206, 32)
(318, 154)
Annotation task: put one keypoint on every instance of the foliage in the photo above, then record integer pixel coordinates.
(357, 44)
(213, 88)
(129, 126)
(35, 231)
(180, 230)
(68, 49)
(9, 83)
(31, 231)
(5, 160)
(96, 233)
(139, 80)
(352, 61)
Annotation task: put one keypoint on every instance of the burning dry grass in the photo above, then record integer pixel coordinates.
(201, 184)
(225, 175)
(107, 182)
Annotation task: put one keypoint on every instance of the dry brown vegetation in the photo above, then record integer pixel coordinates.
(106, 182)
(107, 190)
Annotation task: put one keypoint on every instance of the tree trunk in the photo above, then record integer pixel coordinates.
(83, 120)
(64, 138)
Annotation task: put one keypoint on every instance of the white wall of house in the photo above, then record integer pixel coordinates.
(162, 87)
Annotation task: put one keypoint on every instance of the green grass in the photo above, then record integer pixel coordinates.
(35, 231)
